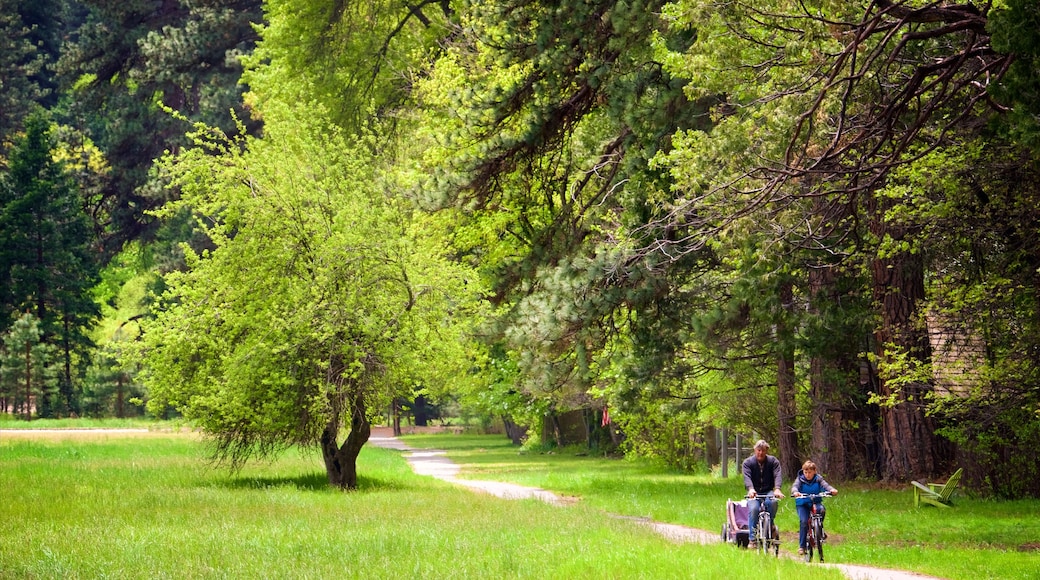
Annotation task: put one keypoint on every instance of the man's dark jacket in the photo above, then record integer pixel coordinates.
(764, 478)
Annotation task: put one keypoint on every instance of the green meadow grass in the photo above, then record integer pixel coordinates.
(150, 505)
(866, 524)
(8, 421)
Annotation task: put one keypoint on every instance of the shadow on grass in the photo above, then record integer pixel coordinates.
(316, 481)
(307, 482)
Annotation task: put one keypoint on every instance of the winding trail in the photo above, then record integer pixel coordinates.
(436, 464)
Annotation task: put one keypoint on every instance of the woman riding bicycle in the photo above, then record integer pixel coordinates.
(808, 482)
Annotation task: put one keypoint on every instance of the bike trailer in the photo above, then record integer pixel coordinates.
(735, 529)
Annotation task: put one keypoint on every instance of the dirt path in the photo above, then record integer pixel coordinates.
(436, 464)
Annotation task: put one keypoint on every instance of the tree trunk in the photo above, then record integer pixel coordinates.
(120, 411)
(66, 379)
(396, 411)
(341, 461)
(908, 442)
(711, 447)
(28, 380)
(516, 433)
(421, 411)
(786, 405)
(827, 446)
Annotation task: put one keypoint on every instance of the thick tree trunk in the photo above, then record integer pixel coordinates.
(908, 441)
(421, 411)
(787, 408)
(711, 447)
(827, 446)
(516, 433)
(341, 460)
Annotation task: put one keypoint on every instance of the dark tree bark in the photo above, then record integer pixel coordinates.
(712, 450)
(28, 381)
(826, 448)
(787, 409)
(341, 460)
(516, 433)
(396, 412)
(421, 411)
(908, 442)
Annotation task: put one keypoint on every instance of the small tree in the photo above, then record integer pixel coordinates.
(109, 389)
(27, 374)
(322, 300)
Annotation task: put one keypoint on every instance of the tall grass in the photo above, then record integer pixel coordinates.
(8, 421)
(867, 524)
(149, 505)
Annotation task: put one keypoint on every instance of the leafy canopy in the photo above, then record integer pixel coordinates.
(322, 286)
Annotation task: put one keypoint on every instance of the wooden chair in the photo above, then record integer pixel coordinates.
(937, 494)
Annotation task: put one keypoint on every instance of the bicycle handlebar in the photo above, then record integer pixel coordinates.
(766, 496)
(813, 495)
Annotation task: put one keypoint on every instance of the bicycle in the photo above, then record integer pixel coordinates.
(814, 536)
(767, 537)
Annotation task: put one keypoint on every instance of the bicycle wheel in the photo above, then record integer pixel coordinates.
(809, 541)
(765, 532)
(818, 533)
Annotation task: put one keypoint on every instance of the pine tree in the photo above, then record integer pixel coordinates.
(27, 375)
(128, 65)
(20, 67)
(48, 262)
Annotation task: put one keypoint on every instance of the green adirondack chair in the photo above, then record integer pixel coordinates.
(937, 494)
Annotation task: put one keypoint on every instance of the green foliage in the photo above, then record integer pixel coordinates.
(130, 65)
(20, 63)
(1015, 25)
(640, 183)
(974, 206)
(542, 119)
(354, 59)
(129, 287)
(322, 297)
(108, 389)
(670, 434)
(48, 261)
(28, 375)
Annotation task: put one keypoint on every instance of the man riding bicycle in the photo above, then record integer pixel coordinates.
(761, 478)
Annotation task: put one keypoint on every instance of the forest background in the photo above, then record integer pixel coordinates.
(814, 221)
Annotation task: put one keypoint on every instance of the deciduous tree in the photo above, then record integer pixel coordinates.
(822, 102)
(323, 299)
(547, 117)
